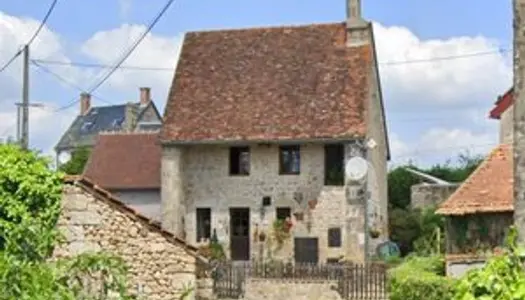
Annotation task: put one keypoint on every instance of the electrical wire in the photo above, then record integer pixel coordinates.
(33, 37)
(388, 63)
(133, 47)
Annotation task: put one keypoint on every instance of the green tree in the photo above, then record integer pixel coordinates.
(30, 200)
(76, 164)
(30, 194)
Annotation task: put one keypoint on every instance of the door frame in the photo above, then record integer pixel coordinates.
(243, 212)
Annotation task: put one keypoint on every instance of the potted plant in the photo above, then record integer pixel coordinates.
(374, 233)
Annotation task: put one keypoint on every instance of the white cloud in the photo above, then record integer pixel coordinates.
(442, 143)
(124, 7)
(107, 47)
(449, 82)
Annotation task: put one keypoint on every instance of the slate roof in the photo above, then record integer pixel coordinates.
(125, 161)
(276, 83)
(488, 189)
(84, 129)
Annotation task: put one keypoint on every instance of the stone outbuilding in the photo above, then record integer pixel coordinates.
(479, 213)
(161, 266)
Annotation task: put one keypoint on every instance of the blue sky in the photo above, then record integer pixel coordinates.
(434, 109)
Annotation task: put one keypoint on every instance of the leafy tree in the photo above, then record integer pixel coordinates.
(76, 164)
(30, 194)
(413, 228)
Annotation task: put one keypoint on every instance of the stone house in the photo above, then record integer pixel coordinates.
(504, 112)
(479, 213)
(141, 116)
(257, 129)
(161, 266)
(128, 165)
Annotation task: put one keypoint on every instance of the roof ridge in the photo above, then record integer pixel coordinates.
(126, 132)
(269, 27)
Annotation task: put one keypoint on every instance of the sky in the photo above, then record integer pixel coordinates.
(442, 63)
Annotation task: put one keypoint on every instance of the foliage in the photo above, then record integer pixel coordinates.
(501, 278)
(404, 228)
(281, 231)
(64, 279)
(413, 229)
(420, 278)
(430, 240)
(30, 196)
(213, 251)
(76, 164)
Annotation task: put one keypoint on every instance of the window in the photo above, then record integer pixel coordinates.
(333, 164)
(334, 237)
(283, 213)
(239, 161)
(289, 160)
(203, 224)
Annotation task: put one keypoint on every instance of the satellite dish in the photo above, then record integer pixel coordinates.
(356, 168)
(64, 157)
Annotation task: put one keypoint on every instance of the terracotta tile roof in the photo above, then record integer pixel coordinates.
(502, 104)
(125, 161)
(277, 83)
(101, 194)
(488, 189)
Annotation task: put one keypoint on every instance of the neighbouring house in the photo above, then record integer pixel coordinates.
(504, 111)
(128, 165)
(258, 126)
(479, 212)
(431, 192)
(161, 266)
(142, 115)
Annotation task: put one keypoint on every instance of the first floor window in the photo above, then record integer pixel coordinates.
(203, 224)
(239, 161)
(289, 160)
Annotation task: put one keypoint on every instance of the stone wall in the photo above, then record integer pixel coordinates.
(475, 233)
(506, 125)
(427, 195)
(159, 266)
(198, 176)
(263, 289)
(519, 117)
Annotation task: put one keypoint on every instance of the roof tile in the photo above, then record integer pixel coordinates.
(278, 83)
(125, 161)
(488, 189)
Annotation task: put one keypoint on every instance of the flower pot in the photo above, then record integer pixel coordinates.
(374, 233)
(262, 237)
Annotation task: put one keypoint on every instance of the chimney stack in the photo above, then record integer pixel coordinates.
(85, 103)
(357, 29)
(145, 95)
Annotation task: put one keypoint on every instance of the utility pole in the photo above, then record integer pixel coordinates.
(24, 138)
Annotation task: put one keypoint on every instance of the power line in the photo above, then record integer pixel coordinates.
(64, 80)
(135, 45)
(44, 21)
(388, 63)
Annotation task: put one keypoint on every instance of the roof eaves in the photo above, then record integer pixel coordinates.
(256, 141)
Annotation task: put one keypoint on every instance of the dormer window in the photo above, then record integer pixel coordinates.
(86, 126)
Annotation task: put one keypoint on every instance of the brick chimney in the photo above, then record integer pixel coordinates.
(145, 95)
(357, 29)
(85, 103)
(130, 117)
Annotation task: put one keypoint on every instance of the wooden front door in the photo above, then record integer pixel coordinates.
(240, 233)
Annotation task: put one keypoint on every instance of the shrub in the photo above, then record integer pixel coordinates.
(501, 278)
(420, 278)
